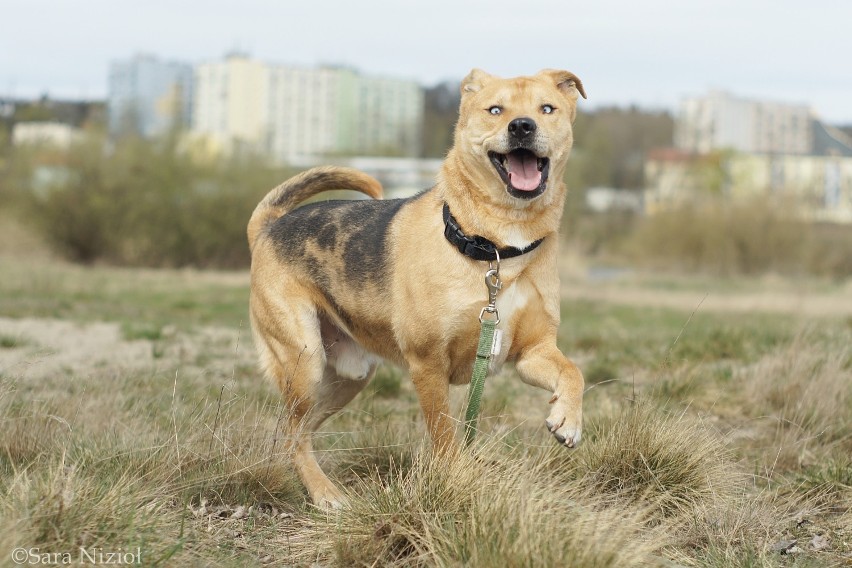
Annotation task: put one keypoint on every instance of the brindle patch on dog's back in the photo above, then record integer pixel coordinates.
(343, 247)
(353, 233)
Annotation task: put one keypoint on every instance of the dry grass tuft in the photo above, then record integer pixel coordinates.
(380, 450)
(647, 454)
(736, 530)
(478, 510)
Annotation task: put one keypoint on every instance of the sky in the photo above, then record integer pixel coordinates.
(649, 53)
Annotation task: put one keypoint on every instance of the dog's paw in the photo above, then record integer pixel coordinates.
(329, 500)
(566, 425)
(330, 504)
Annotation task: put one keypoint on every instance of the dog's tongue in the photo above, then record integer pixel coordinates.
(523, 171)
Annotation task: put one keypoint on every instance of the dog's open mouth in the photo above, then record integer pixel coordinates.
(524, 173)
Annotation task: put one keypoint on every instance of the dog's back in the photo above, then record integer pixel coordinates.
(297, 189)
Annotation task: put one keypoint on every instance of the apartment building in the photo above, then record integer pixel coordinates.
(149, 96)
(304, 112)
(46, 133)
(296, 114)
(291, 114)
(720, 120)
(820, 185)
(231, 104)
(387, 115)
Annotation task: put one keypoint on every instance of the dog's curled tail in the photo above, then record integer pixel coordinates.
(289, 194)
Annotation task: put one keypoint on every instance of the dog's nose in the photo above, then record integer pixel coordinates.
(522, 127)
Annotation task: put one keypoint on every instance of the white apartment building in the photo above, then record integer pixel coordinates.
(388, 116)
(303, 120)
(720, 120)
(231, 104)
(296, 114)
(334, 111)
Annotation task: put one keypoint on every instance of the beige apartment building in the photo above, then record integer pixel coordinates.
(231, 108)
(820, 186)
(737, 149)
(303, 115)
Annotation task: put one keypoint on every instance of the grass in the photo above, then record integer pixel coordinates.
(641, 336)
(142, 299)
(710, 437)
(448, 512)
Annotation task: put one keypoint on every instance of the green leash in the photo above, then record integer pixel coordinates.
(484, 350)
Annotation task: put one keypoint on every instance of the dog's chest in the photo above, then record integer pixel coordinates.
(510, 301)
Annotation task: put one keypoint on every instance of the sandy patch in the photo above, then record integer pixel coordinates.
(43, 348)
(47, 347)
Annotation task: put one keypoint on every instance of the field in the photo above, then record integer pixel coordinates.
(718, 433)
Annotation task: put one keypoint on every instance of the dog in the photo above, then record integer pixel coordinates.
(339, 286)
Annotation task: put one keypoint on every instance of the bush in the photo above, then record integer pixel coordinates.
(752, 237)
(831, 253)
(145, 203)
(722, 238)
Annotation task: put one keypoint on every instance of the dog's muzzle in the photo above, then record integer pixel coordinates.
(522, 170)
(524, 173)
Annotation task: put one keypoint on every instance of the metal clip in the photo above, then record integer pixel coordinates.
(493, 282)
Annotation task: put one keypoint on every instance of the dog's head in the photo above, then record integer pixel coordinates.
(514, 135)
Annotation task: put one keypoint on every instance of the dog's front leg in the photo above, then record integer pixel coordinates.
(543, 365)
(433, 391)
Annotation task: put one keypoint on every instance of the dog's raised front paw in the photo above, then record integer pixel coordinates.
(565, 425)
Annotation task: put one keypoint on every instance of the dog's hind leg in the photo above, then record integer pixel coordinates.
(331, 394)
(293, 354)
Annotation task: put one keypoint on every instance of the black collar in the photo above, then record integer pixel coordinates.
(476, 247)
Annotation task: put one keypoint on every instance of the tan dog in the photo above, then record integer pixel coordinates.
(337, 286)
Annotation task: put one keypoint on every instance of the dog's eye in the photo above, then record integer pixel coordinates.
(495, 110)
(547, 109)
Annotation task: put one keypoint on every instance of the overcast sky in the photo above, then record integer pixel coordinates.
(651, 53)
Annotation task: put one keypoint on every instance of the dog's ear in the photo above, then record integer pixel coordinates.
(566, 81)
(474, 81)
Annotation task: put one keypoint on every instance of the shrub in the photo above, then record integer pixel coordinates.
(145, 203)
(387, 383)
(720, 237)
(723, 238)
